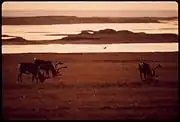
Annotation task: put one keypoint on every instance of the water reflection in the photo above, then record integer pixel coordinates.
(39, 32)
(91, 48)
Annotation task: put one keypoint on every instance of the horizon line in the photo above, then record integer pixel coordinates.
(85, 10)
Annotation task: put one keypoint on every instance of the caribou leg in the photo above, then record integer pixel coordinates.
(20, 77)
(36, 79)
(141, 75)
(145, 76)
(33, 78)
(47, 73)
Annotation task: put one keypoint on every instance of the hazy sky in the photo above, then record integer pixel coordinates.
(90, 5)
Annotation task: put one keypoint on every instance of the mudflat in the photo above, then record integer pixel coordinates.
(46, 20)
(93, 86)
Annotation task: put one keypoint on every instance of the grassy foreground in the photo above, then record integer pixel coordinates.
(94, 86)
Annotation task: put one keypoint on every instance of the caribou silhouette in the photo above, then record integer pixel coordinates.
(146, 71)
(30, 68)
(49, 66)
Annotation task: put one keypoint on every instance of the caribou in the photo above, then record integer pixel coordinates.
(144, 68)
(30, 68)
(49, 66)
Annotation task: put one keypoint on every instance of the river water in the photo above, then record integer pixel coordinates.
(40, 32)
(91, 48)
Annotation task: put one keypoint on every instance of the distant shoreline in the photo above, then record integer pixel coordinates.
(48, 20)
(91, 13)
(106, 36)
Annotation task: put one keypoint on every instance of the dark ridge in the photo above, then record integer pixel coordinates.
(18, 40)
(122, 36)
(7, 35)
(47, 20)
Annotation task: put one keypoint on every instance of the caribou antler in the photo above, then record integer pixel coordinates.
(60, 68)
(154, 70)
(158, 66)
(58, 63)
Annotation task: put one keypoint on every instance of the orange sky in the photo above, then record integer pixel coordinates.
(90, 5)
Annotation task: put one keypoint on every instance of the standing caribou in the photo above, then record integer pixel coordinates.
(144, 68)
(49, 66)
(36, 68)
(30, 68)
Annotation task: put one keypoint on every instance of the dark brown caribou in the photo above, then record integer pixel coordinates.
(49, 66)
(30, 68)
(146, 71)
